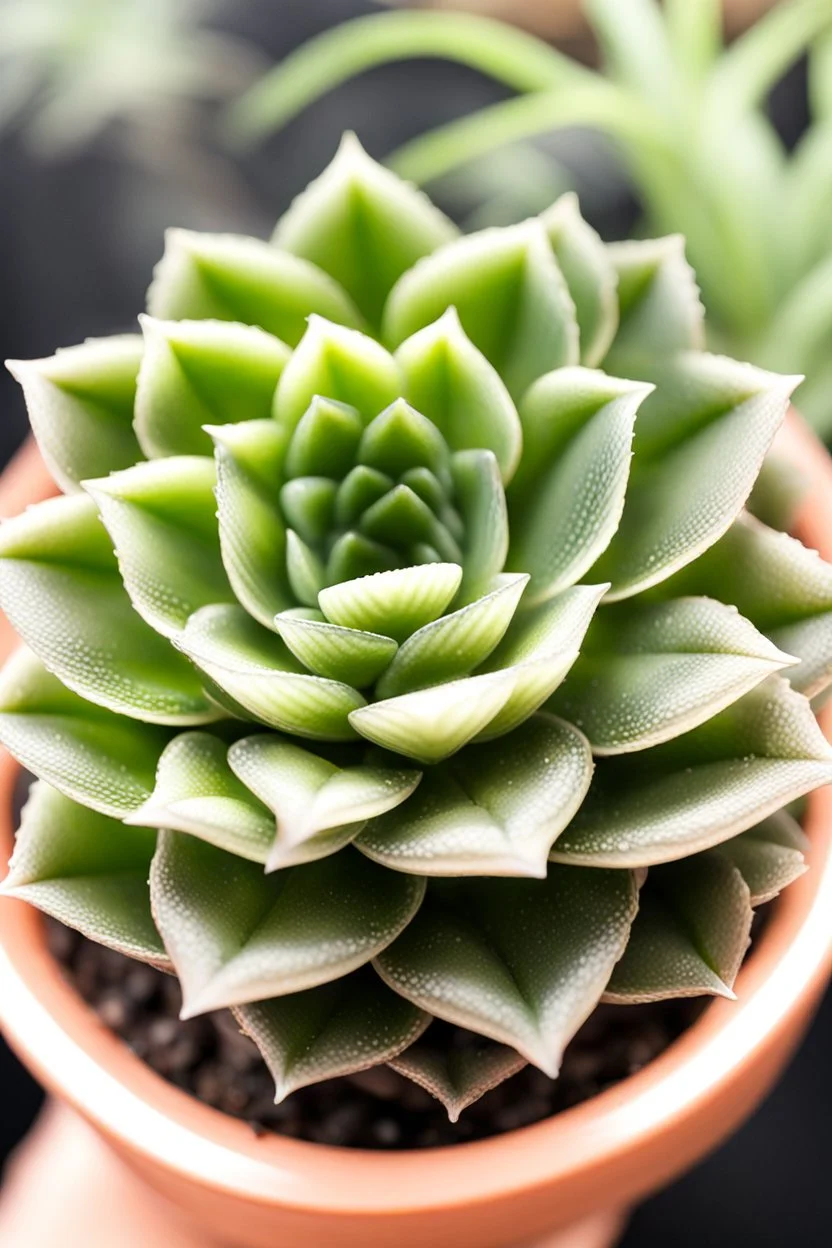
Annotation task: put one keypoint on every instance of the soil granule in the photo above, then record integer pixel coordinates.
(209, 1058)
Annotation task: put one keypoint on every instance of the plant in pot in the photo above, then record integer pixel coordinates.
(687, 115)
(403, 674)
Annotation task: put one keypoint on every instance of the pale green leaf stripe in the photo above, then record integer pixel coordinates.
(521, 961)
(458, 1077)
(236, 935)
(88, 871)
(769, 856)
(80, 407)
(336, 1029)
(97, 758)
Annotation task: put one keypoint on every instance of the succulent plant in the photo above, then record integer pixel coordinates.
(425, 666)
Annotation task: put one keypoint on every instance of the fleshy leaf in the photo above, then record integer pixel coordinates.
(493, 810)
(61, 589)
(511, 297)
(651, 673)
(197, 792)
(454, 385)
(482, 505)
(319, 806)
(362, 225)
(785, 589)
(80, 405)
(165, 505)
(682, 502)
(197, 373)
(704, 787)
(305, 570)
(337, 653)
(227, 277)
(561, 526)
(88, 871)
(324, 440)
(236, 935)
(592, 279)
(690, 934)
(259, 673)
(97, 758)
(538, 650)
(332, 1030)
(249, 461)
(521, 961)
(455, 644)
(658, 302)
(392, 603)
(340, 364)
(770, 856)
(458, 1076)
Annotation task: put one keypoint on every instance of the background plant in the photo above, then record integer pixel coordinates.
(401, 579)
(688, 116)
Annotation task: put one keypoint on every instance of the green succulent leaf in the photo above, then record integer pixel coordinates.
(659, 308)
(335, 652)
(510, 294)
(521, 961)
(341, 365)
(394, 603)
(197, 792)
(785, 589)
(165, 505)
(197, 373)
(319, 806)
(80, 405)
(590, 275)
(690, 934)
(647, 674)
(770, 856)
(61, 590)
(259, 673)
(88, 871)
(226, 277)
(564, 523)
(494, 809)
(103, 760)
(335, 1029)
(454, 385)
(235, 935)
(249, 462)
(482, 505)
(362, 225)
(458, 1076)
(704, 787)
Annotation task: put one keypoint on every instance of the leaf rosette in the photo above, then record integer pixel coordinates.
(381, 550)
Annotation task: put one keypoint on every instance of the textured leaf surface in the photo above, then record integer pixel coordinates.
(165, 505)
(80, 405)
(651, 673)
(521, 961)
(690, 934)
(197, 792)
(197, 373)
(236, 935)
(60, 588)
(785, 589)
(658, 303)
(261, 675)
(458, 1077)
(590, 274)
(482, 505)
(770, 856)
(227, 277)
(453, 384)
(338, 653)
(95, 757)
(392, 603)
(493, 810)
(88, 871)
(335, 1029)
(319, 806)
(362, 225)
(511, 297)
(703, 787)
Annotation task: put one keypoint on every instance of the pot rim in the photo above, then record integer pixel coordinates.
(75, 1056)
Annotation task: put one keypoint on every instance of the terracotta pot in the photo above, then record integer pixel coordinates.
(562, 1173)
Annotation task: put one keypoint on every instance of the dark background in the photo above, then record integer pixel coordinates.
(78, 237)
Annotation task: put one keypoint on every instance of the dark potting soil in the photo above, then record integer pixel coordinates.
(209, 1058)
